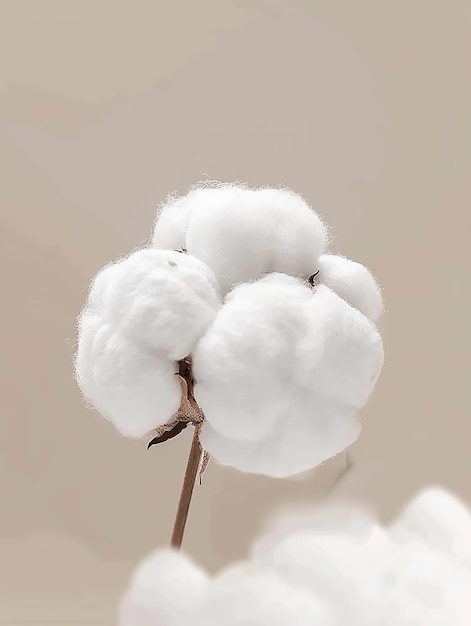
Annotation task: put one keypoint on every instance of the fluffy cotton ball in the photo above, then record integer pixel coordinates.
(131, 387)
(245, 364)
(281, 374)
(163, 300)
(241, 233)
(355, 573)
(165, 590)
(142, 314)
(353, 282)
(281, 367)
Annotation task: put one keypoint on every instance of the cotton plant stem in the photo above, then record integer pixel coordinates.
(194, 460)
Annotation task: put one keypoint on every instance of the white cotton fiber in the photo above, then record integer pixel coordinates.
(241, 233)
(165, 590)
(438, 518)
(429, 588)
(282, 364)
(164, 300)
(143, 314)
(99, 289)
(293, 446)
(131, 387)
(338, 517)
(246, 362)
(352, 574)
(353, 282)
(334, 566)
(243, 596)
(352, 350)
(281, 374)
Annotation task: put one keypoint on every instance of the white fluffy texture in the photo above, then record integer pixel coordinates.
(282, 373)
(282, 368)
(163, 300)
(166, 589)
(142, 314)
(246, 596)
(241, 233)
(350, 573)
(134, 389)
(353, 282)
(439, 519)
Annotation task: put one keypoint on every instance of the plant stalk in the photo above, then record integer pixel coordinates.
(194, 460)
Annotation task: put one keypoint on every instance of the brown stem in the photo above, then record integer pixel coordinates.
(191, 472)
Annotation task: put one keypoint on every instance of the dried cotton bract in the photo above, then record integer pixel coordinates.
(282, 365)
(417, 572)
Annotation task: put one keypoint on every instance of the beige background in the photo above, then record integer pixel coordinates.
(105, 106)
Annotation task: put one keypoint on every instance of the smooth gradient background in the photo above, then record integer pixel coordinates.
(106, 106)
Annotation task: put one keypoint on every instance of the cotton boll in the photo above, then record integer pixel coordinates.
(164, 300)
(243, 596)
(353, 282)
(241, 233)
(132, 388)
(165, 590)
(352, 350)
(439, 519)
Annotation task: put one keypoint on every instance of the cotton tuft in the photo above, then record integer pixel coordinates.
(143, 313)
(349, 572)
(242, 233)
(282, 334)
(353, 282)
(285, 403)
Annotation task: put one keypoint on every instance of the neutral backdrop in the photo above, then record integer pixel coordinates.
(106, 106)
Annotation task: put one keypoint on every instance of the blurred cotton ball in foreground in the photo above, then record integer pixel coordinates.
(330, 567)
